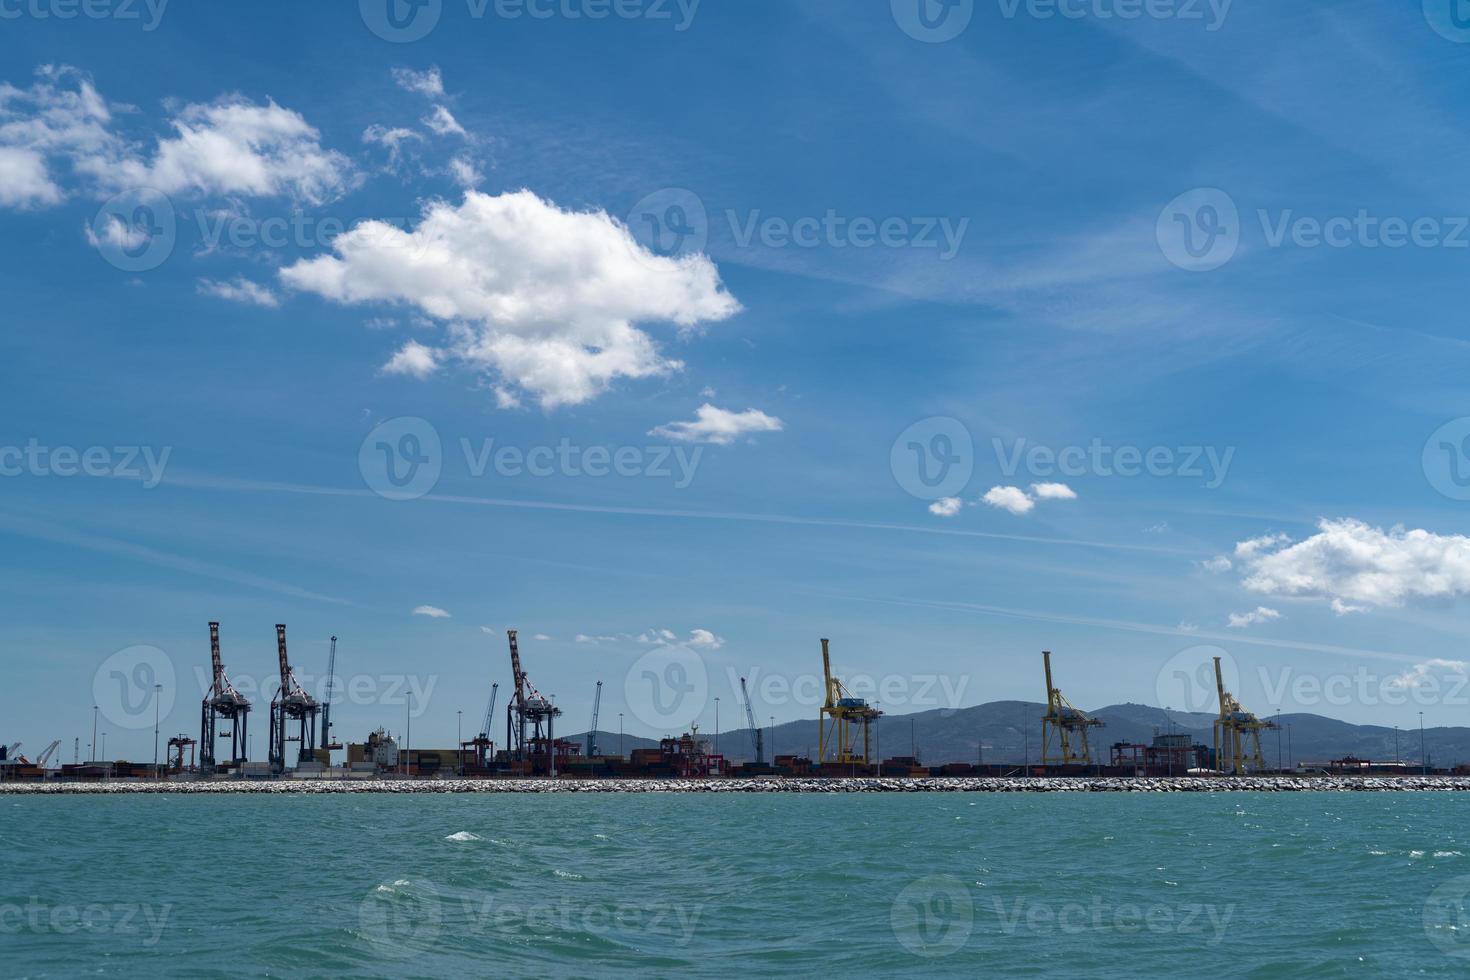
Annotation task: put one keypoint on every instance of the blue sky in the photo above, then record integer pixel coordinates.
(881, 229)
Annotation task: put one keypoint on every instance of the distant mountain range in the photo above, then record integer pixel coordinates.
(1010, 731)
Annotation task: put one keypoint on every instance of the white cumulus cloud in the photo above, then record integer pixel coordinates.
(544, 299)
(442, 122)
(1012, 499)
(231, 146)
(1053, 491)
(433, 612)
(1419, 674)
(413, 359)
(1219, 563)
(1354, 566)
(718, 425)
(240, 290)
(1260, 614)
(24, 180)
(946, 507)
(428, 82)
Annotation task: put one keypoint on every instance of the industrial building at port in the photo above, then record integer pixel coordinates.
(300, 742)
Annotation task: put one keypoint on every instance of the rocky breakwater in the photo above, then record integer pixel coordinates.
(1109, 784)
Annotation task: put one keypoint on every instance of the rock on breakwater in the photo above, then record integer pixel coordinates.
(1106, 784)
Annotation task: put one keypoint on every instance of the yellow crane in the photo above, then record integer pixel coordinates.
(839, 716)
(1065, 722)
(1234, 730)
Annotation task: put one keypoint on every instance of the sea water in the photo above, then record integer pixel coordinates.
(1085, 885)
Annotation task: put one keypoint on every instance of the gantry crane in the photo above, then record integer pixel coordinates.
(481, 743)
(592, 732)
(176, 746)
(838, 715)
(530, 717)
(222, 701)
(1066, 722)
(1232, 729)
(760, 749)
(291, 703)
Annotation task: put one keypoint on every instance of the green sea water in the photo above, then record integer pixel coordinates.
(972, 885)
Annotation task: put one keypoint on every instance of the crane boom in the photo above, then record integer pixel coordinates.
(489, 710)
(517, 675)
(592, 732)
(327, 695)
(219, 666)
(45, 756)
(754, 728)
(286, 679)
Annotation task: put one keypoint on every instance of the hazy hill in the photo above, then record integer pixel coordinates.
(1011, 730)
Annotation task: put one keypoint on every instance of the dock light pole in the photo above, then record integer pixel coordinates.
(620, 736)
(157, 697)
(1170, 719)
(773, 740)
(1423, 756)
(1395, 745)
(717, 726)
(1278, 739)
(92, 749)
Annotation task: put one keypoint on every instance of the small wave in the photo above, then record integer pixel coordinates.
(1448, 854)
(1416, 854)
(1378, 853)
(567, 874)
(463, 835)
(600, 836)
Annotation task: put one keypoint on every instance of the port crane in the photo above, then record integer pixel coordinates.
(592, 732)
(46, 755)
(1237, 733)
(291, 703)
(481, 742)
(328, 742)
(1066, 723)
(222, 702)
(839, 715)
(176, 746)
(760, 749)
(530, 717)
